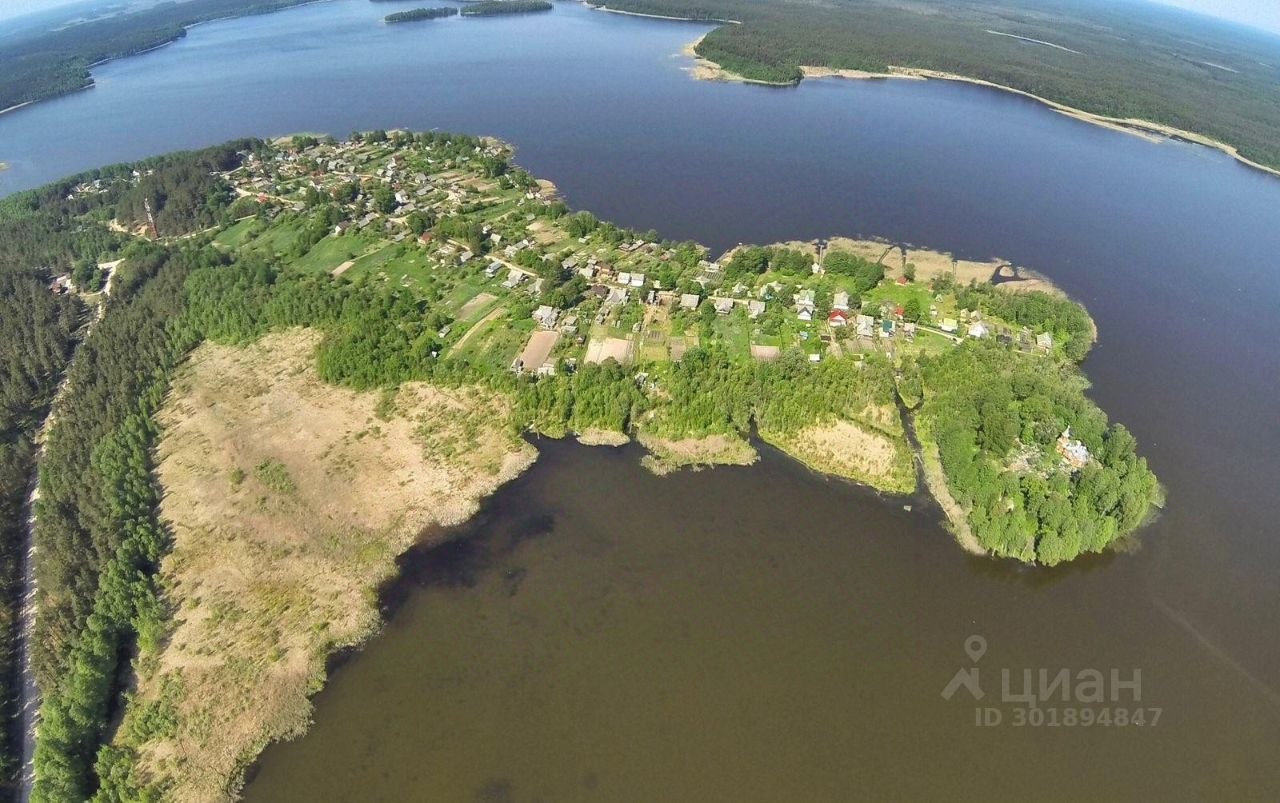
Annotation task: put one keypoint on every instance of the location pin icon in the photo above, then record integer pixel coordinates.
(975, 647)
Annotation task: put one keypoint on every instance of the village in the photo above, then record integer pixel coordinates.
(528, 287)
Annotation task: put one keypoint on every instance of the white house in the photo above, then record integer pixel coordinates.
(546, 316)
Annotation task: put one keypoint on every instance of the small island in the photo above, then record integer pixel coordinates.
(492, 8)
(420, 14)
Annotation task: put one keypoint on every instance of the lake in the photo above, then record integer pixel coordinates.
(766, 633)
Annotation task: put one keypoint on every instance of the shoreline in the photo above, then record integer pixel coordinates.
(185, 29)
(705, 69)
(16, 106)
(594, 7)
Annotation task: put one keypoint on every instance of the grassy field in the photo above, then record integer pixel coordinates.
(276, 239)
(331, 252)
(853, 450)
(235, 235)
(289, 500)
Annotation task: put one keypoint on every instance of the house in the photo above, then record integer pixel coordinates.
(804, 305)
(949, 325)
(624, 279)
(546, 316)
(837, 318)
(866, 326)
(689, 301)
(493, 269)
(637, 280)
(723, 306)
(617, 295)
(1044, 340)
(1073, 452)
(755, 308)
(513, 279)
(978, 329)
(840, 301)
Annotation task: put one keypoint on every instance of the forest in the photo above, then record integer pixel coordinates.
(1130, 61)
(984, 405)
(37, 329)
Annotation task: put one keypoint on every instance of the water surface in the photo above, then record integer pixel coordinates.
(752, 634)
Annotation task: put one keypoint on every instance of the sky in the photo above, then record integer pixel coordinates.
(1259, 13)
(14, 8)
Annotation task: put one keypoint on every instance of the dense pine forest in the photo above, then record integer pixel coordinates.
(1120, 60)
(36, 333)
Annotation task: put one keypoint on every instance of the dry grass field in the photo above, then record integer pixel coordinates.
(289, 500)
(667, 455)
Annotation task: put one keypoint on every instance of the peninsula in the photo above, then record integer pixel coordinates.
(317, 352)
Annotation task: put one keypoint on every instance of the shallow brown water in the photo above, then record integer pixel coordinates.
(752, 634)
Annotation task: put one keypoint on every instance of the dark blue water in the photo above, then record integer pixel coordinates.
(1175, 249)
